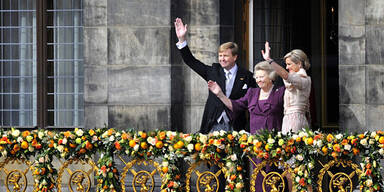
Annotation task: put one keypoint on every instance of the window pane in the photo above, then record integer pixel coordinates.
(18, 63)
(65, 63)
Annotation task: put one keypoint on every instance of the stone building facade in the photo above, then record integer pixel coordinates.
(134, 76)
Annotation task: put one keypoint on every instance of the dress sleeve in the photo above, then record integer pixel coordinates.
(241, 104)
(299, 81)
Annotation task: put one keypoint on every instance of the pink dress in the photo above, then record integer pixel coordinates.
(296, 101)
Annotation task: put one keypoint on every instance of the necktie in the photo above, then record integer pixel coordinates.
(227, 84)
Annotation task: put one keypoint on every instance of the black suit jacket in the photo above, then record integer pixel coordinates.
(214, 107)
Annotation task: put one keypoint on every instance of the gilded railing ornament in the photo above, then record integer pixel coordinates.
(16, 180)
(143, 181)
(79, 180)
(273, 181)
(340, 181)
(207, 181)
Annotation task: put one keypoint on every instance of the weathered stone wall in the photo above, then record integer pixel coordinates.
(127, 63)
(361, 68)
(134, 75)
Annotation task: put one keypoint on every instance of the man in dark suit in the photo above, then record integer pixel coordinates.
(232, 79)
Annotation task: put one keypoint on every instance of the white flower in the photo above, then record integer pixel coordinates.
(310, 165)
(112, 138)
(175, 184)
(19, 140)
(239, 185)
(339, 136)
(94, 138)
(4, 153)
(30, 148)
(279, 134)
(44, 182)
(203, 138)
(65, 140)
(299, 157)
(165, 164)
(297, 179)
(190, 147)
(60, 148)
(363, 142)
(188, 139)
(136, 147)
(374, 164)
(118, 134)
(303, 134)
(381, 151)
(151, 140)
(294, 137)
(233, 157)
(373, 134)
(222, 132)
(41, 160)
(347, 147)
(15, 132)
(79, 132)
(255, 141)
(319, 143)
(216, 133)
(371, 141)
(235, 133)
(40, 134)
(243, 132)
(271, 141)
(368, 182)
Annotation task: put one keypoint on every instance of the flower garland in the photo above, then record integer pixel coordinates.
(227, 148)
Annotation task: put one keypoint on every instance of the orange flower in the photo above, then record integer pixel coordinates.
(159, 144)
(164, 169)
(381, 140)
(144, 145)
(25, 133)
(230, 137)
(132, 143)
(324, 150)
(24, 145)
(124, 136)
(91, 132)
(143, 135)
(88, 145)
(162, 135)
(197, 146)
(233, 177)
(67, 134)
(344, 142)
(355, 151)
(336, 148)
(16, 147)
(330, 137)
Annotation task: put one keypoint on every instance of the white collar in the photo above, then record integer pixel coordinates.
(233, 70)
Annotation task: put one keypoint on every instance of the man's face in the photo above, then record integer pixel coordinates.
(226, 59)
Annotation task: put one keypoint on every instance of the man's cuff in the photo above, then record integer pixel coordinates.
(181, 45)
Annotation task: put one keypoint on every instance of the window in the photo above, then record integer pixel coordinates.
(41, 63)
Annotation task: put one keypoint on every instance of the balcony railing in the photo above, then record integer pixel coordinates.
(84, 160)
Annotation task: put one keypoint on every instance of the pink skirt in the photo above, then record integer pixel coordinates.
(294, 122)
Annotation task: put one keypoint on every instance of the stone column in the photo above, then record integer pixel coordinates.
(361, 25)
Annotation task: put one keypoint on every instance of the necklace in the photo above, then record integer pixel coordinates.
(264, 95)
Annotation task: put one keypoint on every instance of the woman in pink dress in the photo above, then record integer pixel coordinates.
(297, 88)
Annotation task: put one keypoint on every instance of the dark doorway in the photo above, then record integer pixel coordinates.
(299, 24)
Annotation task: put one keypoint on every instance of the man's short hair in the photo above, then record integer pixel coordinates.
(229, 45)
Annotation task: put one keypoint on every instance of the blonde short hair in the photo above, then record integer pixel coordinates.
(265, 66)
(297, 55)
(229, 45)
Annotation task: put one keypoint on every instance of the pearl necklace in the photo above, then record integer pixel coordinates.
(264, 95)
